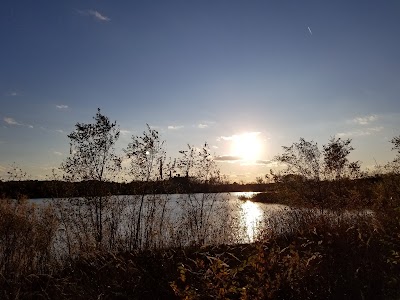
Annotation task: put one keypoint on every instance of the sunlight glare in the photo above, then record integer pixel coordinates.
(252, 215)
(247, 146)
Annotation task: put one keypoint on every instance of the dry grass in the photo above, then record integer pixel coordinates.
(349, 259)
(301, 254)
(26, 240)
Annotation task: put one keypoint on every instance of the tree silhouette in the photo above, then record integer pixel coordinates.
(147, 155)
(314, 175)
(93, 160)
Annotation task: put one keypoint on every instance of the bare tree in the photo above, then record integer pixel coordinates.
(93, 161)
(147, 155)
(200, 169)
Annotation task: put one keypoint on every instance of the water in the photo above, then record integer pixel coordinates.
(177, 220)
(174, 220)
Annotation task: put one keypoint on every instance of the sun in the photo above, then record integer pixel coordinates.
(247, 146)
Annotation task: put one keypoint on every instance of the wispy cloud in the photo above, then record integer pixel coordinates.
(12, 94)
(202, 126)
(57, 153)
(99, 16)
(365, 120)
(365, 132)
(11, 121)
(237, 159)
(258, 163)
(237, 136)
(173, 127)
(227, 158)
(95, 14)
(309, 30)
(62, 106)
(264, 162)
(52, 130)
(125, 132)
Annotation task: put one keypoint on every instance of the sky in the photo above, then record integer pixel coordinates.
(227, 72)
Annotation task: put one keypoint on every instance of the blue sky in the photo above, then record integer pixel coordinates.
(199, 71)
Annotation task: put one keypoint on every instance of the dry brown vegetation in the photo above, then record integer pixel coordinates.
(354, 257)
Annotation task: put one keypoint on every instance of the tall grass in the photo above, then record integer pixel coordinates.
(27, 234)
(51, 251)
(320, 259)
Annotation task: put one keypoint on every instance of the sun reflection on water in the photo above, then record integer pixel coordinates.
(252, 216)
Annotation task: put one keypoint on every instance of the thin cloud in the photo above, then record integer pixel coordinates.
(99, 16)
(125, 132)
(172, 127)
(62, 106)
(257, 163)
(236, 136)
(309, 30)
(11, 121)
(13, 94)
(227, 158)
(264, 162)
(95, 14)
(204, 124)
(227, 138)
(57, 153)
(358, 133)
(365, 120)
(51, 130)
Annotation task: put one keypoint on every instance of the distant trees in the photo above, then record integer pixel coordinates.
(315, 175)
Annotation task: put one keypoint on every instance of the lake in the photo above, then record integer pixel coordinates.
(173, 220)
(177, 220)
